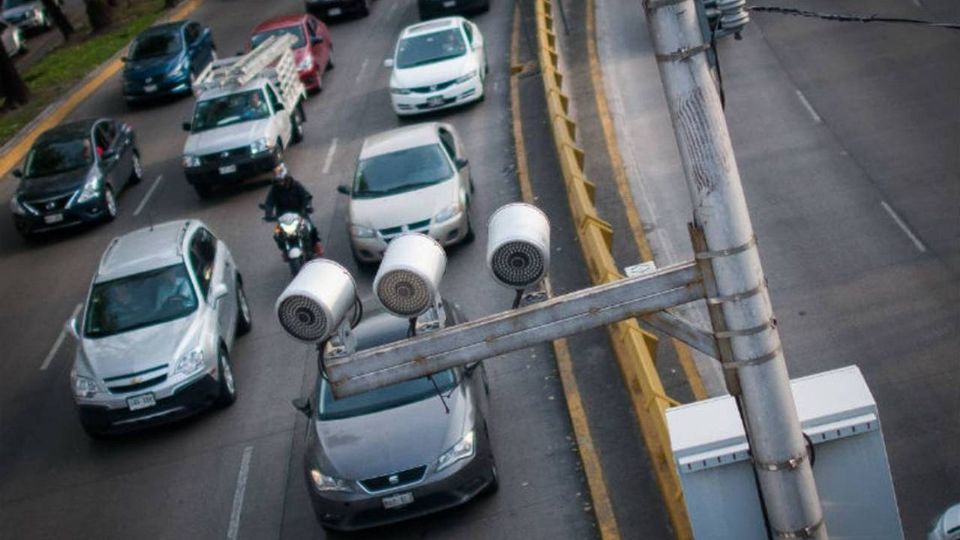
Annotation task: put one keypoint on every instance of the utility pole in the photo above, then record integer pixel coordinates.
(748, 339)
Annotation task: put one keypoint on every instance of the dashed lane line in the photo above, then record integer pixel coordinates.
(328, 161)
(904, 227)
(806, 104)
(363, 69)
(59, 342)
(146, 197)
(234, 527)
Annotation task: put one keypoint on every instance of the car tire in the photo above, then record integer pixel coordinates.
(494, 484)
(361, 264)
(137, 174)
(204, 192)
(92, 431)
(109, 204)
(296, 128)
(471, 235)
(228, 389)
(244, 319)
(295, 266)
(364, 8)
(330, 64)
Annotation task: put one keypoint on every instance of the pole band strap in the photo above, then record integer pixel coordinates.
(716, 300)
(787, 465)
(727, 252)
(804, 532)
(727, 334)
(682, 54)
(757, 360)
(651, 5)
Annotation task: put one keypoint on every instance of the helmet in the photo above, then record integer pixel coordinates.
(280, 172)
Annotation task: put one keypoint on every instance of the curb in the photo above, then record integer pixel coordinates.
(16, 148)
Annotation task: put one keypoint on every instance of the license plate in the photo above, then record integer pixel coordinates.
(53, 218)
(435, 101)
(449, 3)
(398, 500)
(150, 88)
(333, 12)
(228, 169)
(143, 401)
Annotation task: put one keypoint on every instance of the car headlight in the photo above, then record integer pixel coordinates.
(471, 74)
(464, 449)
(190, 160)
(85, 387)
(180, 68)
(91, 190)
(360, 231)
(260, 145)
(190, 363)
(399, 91)
(328, 483)
(447, 213)
(16, 207)
(305, 64)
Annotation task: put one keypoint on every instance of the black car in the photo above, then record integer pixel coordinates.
(441, 8)
(331, 9)
(401, 451)
(73, 174)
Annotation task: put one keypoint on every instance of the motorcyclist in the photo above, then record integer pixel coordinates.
(288, 195)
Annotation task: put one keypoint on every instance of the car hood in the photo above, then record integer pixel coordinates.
(226, 138)
(435, 73)
(20, 10)
(150, 67)
(393, 440)
(44, 186)
(141, 349)
(404, 208)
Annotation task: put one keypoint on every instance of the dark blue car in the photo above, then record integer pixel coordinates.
(165, 59)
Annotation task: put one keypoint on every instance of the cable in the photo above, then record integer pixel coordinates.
(412, 329)
(850, 18)
(321, 366)
(439, 394)
(517, 299)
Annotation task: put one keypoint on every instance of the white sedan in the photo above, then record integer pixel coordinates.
(437, 64)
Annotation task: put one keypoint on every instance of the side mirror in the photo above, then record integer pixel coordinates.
(280, 107)
(470, 368)
(17, 173)
(462, 162)
(219, 291)
(186, 126)
(262, 206)
(72, 327)
(107, 155)
(345, 190)
(303, 405)
(388, 63)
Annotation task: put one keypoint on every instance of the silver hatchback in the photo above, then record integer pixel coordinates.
(155, 335)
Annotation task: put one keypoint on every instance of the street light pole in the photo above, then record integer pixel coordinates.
(749, 335)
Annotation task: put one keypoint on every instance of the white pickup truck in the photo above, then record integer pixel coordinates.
(249, 108)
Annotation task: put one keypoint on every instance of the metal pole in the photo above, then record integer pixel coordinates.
(779, 451)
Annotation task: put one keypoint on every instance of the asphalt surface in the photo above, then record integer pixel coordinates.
(185, 481)
(848, 141)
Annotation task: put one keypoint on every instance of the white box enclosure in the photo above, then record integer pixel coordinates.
(839, 415)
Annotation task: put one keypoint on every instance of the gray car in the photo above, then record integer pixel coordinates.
(402, 451)
(30, 15)
(155, 335)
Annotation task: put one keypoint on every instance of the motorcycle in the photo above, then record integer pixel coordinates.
(293, 231)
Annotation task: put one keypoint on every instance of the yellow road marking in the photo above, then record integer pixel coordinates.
(602, 507)
(684, 356)
(16, 153)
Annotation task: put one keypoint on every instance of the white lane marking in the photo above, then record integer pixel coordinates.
(234, 527)
(496, 86)
(329, 159)
(146, 197)
(58, 342)
(903, 226)
(809, 107)
(393, 7)
(918, 4)
(363, 68)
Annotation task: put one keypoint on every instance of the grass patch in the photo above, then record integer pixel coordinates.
(66, 65)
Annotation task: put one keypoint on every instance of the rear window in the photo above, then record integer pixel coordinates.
(429, 48)
(295, 31)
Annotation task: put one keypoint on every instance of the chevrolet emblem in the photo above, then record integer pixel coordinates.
(394, 479)
(225, 154)
(51, 205)
(135, 380)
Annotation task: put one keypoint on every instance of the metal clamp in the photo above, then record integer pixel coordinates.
(757, 360)
(803, 532)
(727, 334)
(787, 465)
(682, 54)
(651, 5)
(716, 300)
(727, 252)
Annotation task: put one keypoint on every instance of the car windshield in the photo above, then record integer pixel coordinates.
(429, 48)
(401, 171)
(155, 45)
(54, 157)
(140, 300)
(230, 109)
(381, 399)
(295, 31)
(10, 4)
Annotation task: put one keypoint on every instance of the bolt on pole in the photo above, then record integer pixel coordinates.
(749, 331)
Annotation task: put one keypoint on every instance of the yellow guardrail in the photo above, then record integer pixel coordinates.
(635, 349)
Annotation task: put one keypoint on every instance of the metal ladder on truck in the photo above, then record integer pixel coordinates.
(239, 70)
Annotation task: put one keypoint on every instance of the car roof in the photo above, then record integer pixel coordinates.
(68, 131)
(164, 28)
(280, 22)
(434, 25)
(400, 139)
(380, 327)
(144, 249)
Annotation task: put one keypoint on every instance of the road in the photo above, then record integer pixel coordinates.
(847, 138)
(184, 481)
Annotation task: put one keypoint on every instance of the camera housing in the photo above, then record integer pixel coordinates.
(315, 303)
(518, 245)
(408, 280)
